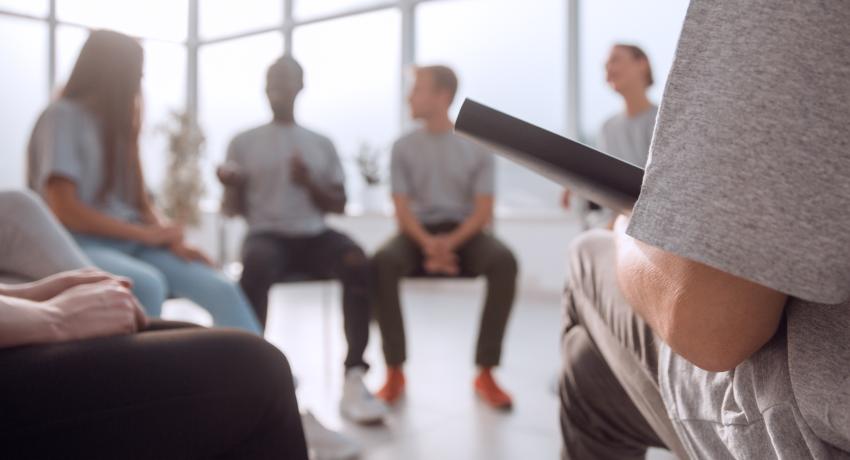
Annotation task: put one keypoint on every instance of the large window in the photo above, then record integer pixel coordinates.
(218, 18)
(521, 73)
(603, 23)
(352, 86)
(232, 93)
(208, 58)
(23, 90)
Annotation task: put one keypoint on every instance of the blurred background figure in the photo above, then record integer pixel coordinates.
(443, 188)
(626, 135)
(283, 179)
(84, 160)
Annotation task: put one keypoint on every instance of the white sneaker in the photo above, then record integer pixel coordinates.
(358, 404)
(325, 444)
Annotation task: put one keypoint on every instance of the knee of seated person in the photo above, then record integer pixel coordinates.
(507, 262)
(586, 252)
(18, 201)
(355, 259)
(255, 359)
(579, 373)
(257, 259)
(384, 259)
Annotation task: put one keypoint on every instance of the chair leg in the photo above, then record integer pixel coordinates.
(327, 288)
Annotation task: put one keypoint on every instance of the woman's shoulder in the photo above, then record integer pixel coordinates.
(63, 112)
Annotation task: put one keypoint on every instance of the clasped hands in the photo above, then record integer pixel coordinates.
(439, 255)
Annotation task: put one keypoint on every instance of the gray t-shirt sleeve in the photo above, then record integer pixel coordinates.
(399, 178)
(233, 152)
(749, 164)
(55, 149)
(485, 174)
(333, 173)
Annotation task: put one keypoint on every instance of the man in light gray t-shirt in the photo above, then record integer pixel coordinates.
(721, 316)
(442, 187)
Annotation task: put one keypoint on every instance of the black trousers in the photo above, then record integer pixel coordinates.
(172, 391)
(483, 254)
(268, 258)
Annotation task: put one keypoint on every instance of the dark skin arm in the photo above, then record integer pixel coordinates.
(330, 199)
(233, 179)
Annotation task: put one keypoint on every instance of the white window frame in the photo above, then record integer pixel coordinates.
(287, 25)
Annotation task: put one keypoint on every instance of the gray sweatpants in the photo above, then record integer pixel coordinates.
(611, 407)
(33, 244)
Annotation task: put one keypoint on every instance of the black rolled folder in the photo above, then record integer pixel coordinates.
(597, 176)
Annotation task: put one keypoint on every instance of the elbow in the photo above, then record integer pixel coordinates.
(705, 352)
(67, 216)
(701, 335)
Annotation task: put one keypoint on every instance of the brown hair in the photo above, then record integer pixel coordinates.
(106, 80)
(638, 53)
(444, 78)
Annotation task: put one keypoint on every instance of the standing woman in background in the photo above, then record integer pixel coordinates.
(84, 160)
(627, 134)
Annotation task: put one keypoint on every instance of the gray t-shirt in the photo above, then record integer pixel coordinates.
(273, 203)
(441, 174)
(748, 174)
(66, 142)
(628, 138)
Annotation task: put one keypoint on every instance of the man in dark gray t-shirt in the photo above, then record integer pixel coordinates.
(716, 320)
(283, 179)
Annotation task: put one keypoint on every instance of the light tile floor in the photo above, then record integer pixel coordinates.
(440, 418)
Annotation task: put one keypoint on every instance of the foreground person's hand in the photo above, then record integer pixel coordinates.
(91, 310)
(47, 288)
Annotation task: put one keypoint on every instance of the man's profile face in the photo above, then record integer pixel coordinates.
(425, 98)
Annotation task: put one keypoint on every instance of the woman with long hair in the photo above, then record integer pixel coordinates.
(84, 161)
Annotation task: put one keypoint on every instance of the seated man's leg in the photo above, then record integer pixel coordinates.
(182, 393)
(486, 255)
(33, 242)
(598, 419)
(337, 255)
(397, 258)
(614, 336)
(264, 257)
(205, 286)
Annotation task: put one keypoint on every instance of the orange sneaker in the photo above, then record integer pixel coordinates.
(488, 390)
(394, 387)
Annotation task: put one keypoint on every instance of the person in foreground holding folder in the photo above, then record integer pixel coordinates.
(715, 320)
(442, 187)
